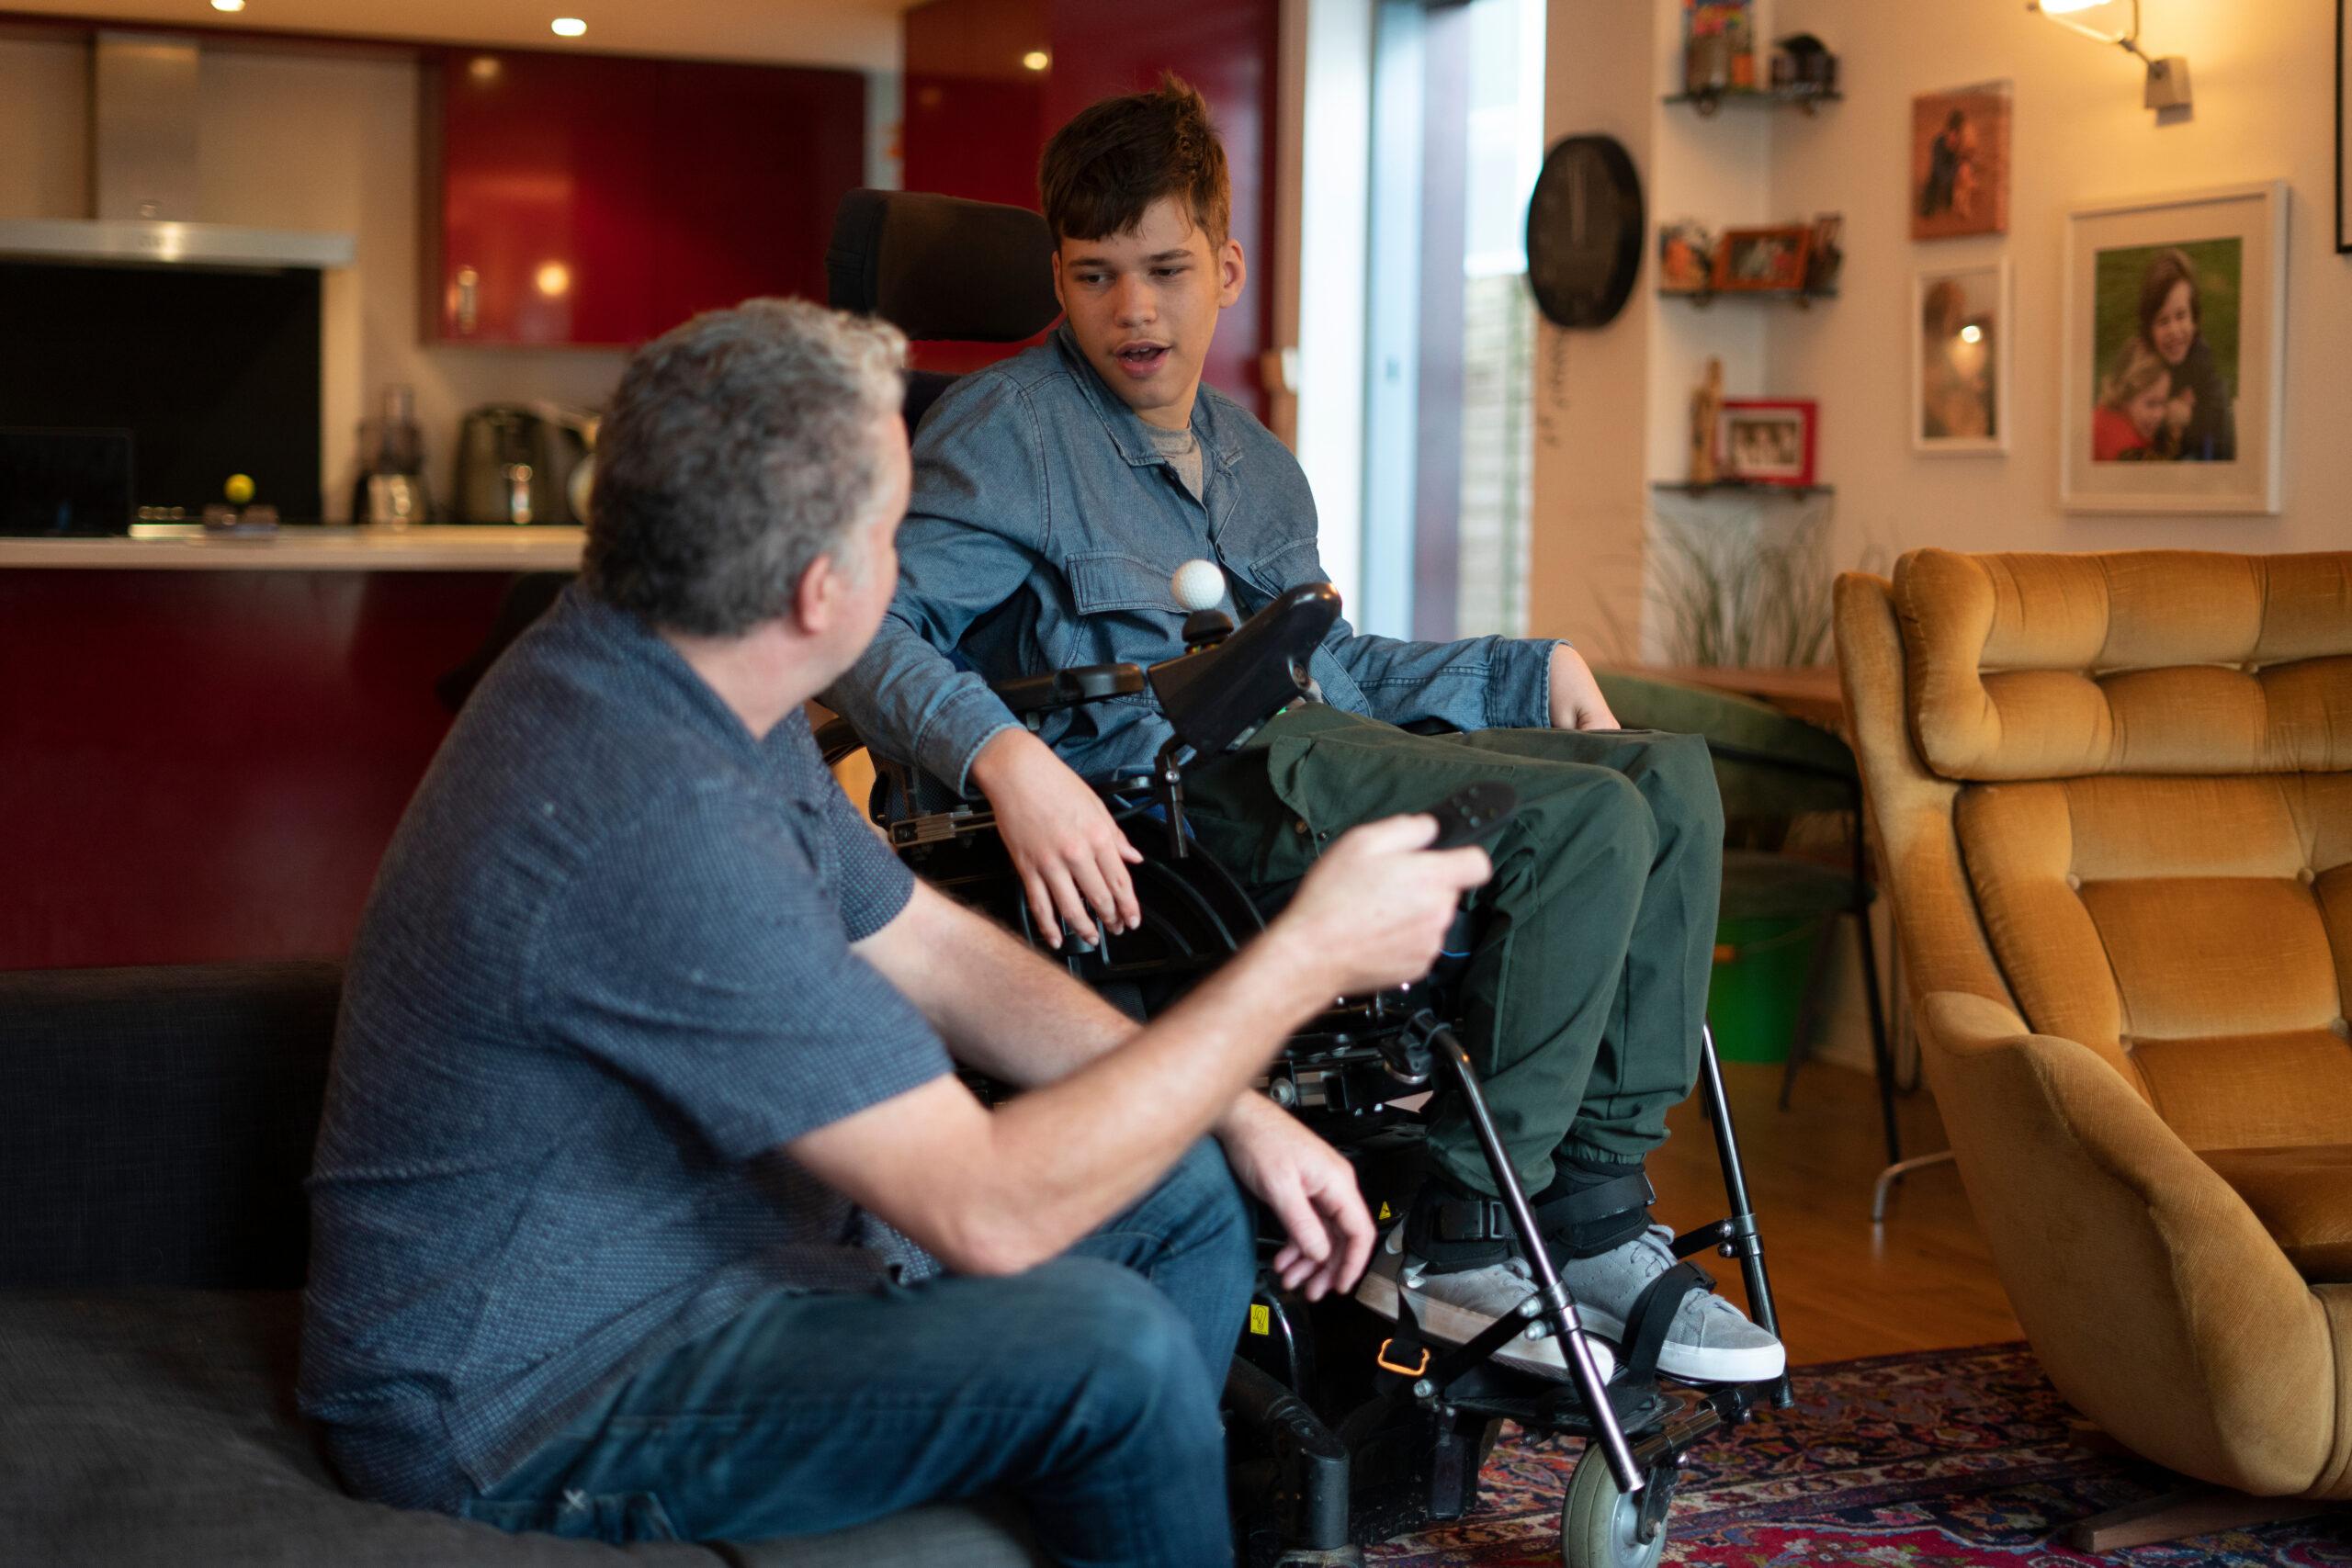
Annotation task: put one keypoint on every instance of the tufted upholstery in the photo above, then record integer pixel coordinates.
(2114, 794)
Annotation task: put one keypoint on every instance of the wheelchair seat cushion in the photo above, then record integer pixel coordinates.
(2303, 1198)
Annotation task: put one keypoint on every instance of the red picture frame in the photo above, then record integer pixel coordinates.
(1767, 441)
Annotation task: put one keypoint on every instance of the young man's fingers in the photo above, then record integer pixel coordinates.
(1128, 913)
(1041, 908)
(1066, 900)
(1091, 887)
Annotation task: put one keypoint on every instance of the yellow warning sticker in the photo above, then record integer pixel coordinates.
(1384, 1211)
(1260, 1320)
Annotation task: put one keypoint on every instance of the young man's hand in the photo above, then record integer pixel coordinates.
(1577, 701)
(1072, 856)
(1376, 908)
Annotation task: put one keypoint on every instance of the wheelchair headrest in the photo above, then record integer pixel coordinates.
(941, 268)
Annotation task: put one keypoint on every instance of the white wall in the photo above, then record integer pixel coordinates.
(1597, 392)
(2265, 108)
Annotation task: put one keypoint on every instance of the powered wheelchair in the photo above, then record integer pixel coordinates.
(1344, 1428)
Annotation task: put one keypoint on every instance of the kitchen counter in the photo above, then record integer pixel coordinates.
(186, 547)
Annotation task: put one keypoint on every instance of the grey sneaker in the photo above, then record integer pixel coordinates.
(1709, 1341)
(1456, 1308)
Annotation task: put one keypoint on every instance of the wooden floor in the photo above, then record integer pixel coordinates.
(1843, 1288)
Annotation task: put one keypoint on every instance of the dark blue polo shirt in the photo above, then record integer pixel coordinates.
(605, 971)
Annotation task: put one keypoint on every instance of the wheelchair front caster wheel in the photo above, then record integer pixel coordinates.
(1601, 1528)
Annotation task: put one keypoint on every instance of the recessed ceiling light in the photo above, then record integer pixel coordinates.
(1035, 59)
(228, 5)
(567, 27)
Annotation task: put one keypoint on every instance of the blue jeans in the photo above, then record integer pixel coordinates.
(1086, 1387)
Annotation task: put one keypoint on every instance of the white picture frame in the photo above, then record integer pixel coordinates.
(2233, 240)
(1962, 319)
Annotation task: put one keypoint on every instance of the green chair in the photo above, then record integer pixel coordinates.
(1772, 768)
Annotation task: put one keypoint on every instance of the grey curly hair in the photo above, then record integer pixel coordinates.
(738, 450)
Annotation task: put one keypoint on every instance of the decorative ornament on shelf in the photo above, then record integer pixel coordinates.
(1706, 408)
(1686, 257)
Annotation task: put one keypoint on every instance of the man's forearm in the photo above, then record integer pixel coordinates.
(1000, 1008)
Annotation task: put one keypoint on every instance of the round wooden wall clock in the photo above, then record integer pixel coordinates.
(1585, 231)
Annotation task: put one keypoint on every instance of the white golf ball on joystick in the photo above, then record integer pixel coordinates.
(1200, 585)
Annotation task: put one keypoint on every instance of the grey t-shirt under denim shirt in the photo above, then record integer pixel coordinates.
(604, 973)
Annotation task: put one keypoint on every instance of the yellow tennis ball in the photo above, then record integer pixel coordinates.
(239, 489)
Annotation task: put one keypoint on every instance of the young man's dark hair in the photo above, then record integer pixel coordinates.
(1117, 157)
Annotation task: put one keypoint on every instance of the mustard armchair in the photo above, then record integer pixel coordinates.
(2114, 798)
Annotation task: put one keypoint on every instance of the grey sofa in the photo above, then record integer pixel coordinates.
(155, 1128)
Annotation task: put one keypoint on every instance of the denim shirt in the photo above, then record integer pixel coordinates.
(1043, 533)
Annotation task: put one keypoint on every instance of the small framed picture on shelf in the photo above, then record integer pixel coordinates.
(1686, 257)
(1766, 441)
(1959, 360)
(1763, 259)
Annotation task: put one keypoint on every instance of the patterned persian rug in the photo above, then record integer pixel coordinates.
(1948, 1459)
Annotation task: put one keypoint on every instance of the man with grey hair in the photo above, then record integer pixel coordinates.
(646, 1205)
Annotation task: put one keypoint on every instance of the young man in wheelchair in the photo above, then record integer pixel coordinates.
(1055, 494)
(641, 1154)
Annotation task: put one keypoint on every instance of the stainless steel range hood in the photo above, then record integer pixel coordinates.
(145, 113)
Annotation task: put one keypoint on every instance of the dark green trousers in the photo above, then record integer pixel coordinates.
(1588, 984)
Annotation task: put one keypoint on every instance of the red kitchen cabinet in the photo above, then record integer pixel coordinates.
(588, 199)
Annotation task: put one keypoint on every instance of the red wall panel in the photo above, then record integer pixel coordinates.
(208, 764)
(659, 187)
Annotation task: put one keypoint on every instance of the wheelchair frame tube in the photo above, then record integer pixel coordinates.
(1559, 1309)
(1745, 1238)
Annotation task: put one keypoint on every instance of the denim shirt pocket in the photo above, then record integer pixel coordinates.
(1126, 606)
(1275, 570)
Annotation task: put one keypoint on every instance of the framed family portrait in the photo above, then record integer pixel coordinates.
(1960, 161)
(1959, 358)
(1763, 259)
(2174, 353)
(1766, 441)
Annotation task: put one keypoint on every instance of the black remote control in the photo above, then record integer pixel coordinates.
(1474, 815)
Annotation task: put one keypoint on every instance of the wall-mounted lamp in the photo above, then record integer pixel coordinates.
(2168, 77)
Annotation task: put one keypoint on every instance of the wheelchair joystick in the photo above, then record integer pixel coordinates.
(1200, 588)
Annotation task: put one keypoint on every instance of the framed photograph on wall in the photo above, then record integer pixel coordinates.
(1959, 358)
(1766, 441)
(1960, 161)
(1763, 258)
(2174, 353)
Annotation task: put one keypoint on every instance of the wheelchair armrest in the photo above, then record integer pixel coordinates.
(1069, 688)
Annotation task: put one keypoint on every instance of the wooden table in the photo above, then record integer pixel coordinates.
(1811, 693)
